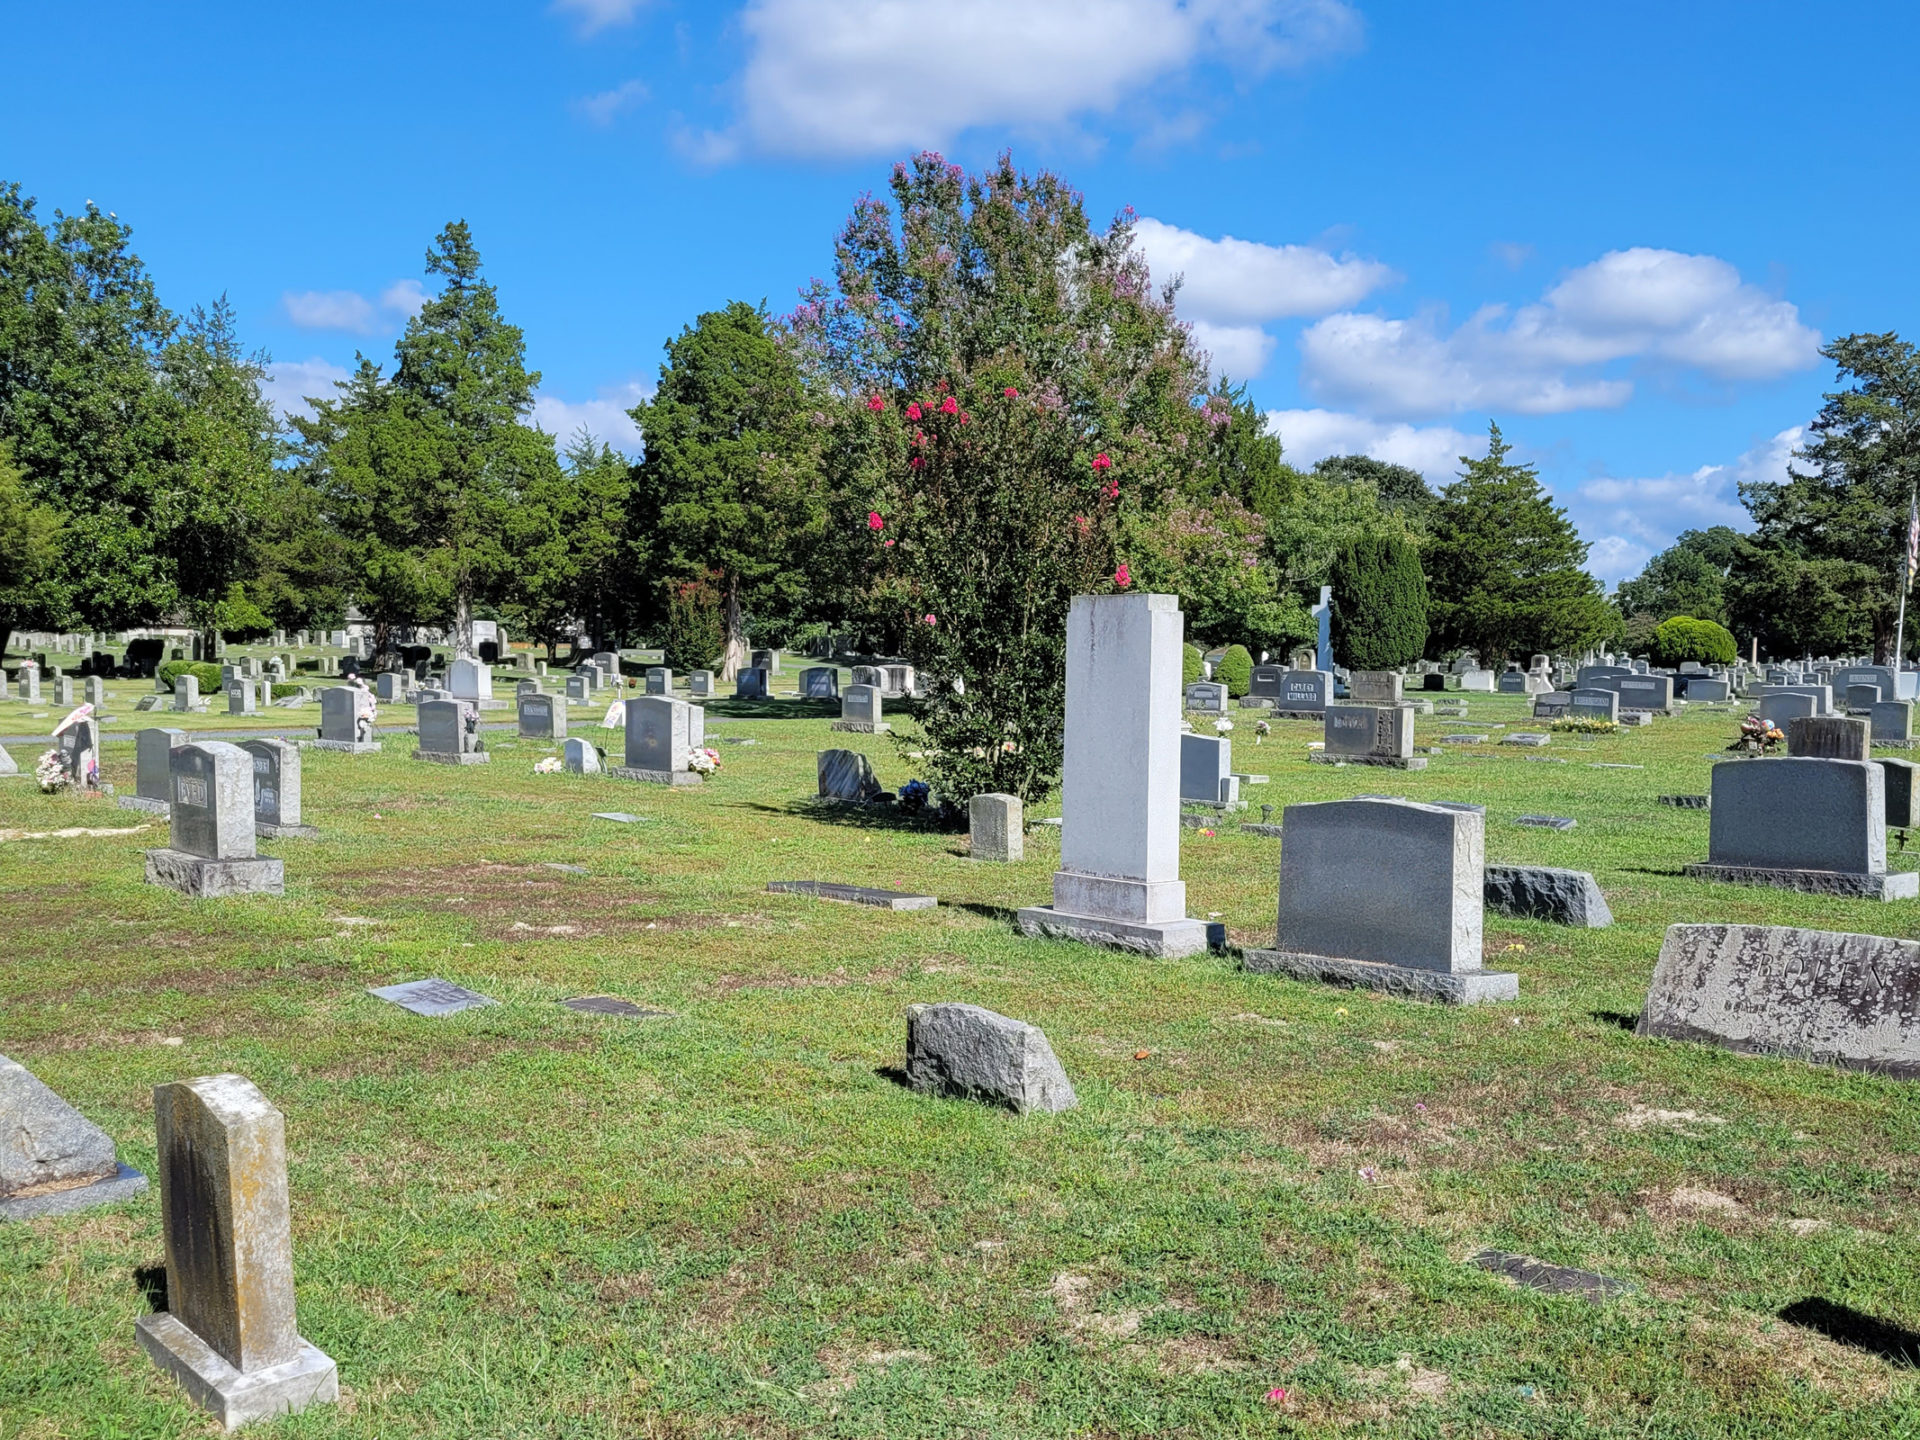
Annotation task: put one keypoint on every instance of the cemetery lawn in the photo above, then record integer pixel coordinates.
(526, 1221)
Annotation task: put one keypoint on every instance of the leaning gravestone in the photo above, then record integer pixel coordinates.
(581, 757)
(1803, 824)
(53, 1160)
(346, 721)
(661, 732)
(444, 736)
(1828, 737)
(860, 711)
(1119, 877)
(846, 775)
(211, 823)
(997, 828)
(1818, 995)
(153, 770)
(1385, 895)
(541, 717)
(964, 1050)
(228, 1333)
(276, 788)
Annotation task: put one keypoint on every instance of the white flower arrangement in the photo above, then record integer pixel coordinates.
(1261, 729)
(552, 765)
(50, 770)
(703, 761)
(1223, 727)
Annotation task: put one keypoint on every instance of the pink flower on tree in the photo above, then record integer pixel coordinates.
(886, 544)
(1011, 393)
(916, 462)
(1101, 462)
(929, 619)
(874, 522)
(1112, 490)
(1123, 577)
(875, 403)
(913, 410)
(949, 406)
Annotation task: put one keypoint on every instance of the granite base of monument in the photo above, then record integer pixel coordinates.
(205, 879)
(1280, 714)
(231, 1396)
(1390, 762)
(1450, 987)
(1869, 885)
(462, 757)
(267, 831)
(144, 805)
(352, 747)
(1168, 939)
(124, 1185)
(656, 777)
(862, 727)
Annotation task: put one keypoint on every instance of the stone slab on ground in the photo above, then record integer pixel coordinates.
(268, 831)
(1389, 762)
(143, 804)
(1526, 737)
(205, 879)
(656, 777)
(976, 1054)
(47, 1148)
(1464, 739)
(1545, 892)
(1686, 802)
(614, 1005)
(1451, 987)
(862, 727)
(1163, 938)
(1545, 822)
(1866, 885)
(125, 1183)
(351, 747)
(1553, 1279)
(854, 894)
(1819, 995)
(232, 1396)
(619, 817)
(463, 757)
(431, 997)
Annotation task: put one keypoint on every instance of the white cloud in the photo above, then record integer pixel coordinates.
(353, 312)
(1650, 510)
(1613, 558)
(860, 77)
(605, 416)
(1231, 281)
(606, 107)
(1433, 450)
(290, 382)
(594, 15)
(1646, 305)
(1239, 351)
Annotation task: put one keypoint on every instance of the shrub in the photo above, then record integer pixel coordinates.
(696, 630)
(1379, 604)
(1191, 661)
(1235, 670)
(207, 675)
(1684, 638)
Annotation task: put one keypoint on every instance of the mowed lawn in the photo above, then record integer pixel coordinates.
(527, 1221)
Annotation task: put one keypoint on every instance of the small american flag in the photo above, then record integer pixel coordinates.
(1913, 537)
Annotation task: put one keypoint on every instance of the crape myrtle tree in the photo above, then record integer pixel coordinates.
(729, 490)
(999, 390)
(1504, 566)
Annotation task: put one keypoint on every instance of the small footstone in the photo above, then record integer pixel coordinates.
(1463, 739)
(1554, 1279)
(569, 869)
(431, 997)
(1542, 892)
(613, 1005)
(1545, 822)
(1687, 802)
(968, 1051)
(854, 894)
(619, 817)
(1612, 765)
(1526, 737)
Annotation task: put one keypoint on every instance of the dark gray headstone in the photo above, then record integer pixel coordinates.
(1828, 737)
(846, 775)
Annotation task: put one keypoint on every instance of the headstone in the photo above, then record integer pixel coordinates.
(1385, 895)
(346, 720)
(211, 823)
(469, 679)
(241, 698)
(53, 1160)
(1892, 685)
(541, 717)
(1434, 680)
(581, 757)
(276, 787)
(1305, 693)
(186, 692)
(445, 738)
(1119, 877)
(700, 684)
(1782, 707)
(1265, 686)
(432, 998)
(228, 1333)
(1206, 771)
(766, 660)
(846, 775)
(1828, 737)
(660, 735)
(1816, 995)
(1542, 892)
(1375, 687)
(820, 682)
(1553, 705)
(153, 770)
(963, 1050)
(855, 894)
(608, 664)
(750, 684)
(1706, 690)
(659, 680)
(1891, 722)
(1652, 693)
(900, 680)
(1370, 735)
(28, 684)
(1803, 824)
(997, 828)
(860, 711)
(94, 692)
(870, 675)
(1479, 681)
(579, 689)
(80, 754)
(1594, 705)
(1514, 681)
(62, 691)
(1898, 775)
(1207, 697)
(389, 687)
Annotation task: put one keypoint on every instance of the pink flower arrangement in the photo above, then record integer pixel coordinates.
(1101, 462)
(929, 620)
(949, 406)
(874, 522)
(1011, 393)
(875, 403)
(913, 411)
(1123, 577)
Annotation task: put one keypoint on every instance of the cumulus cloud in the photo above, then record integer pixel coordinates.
(595, 15)
(606, 107)
(1636, 516)
(1433, 450)
(290, 383)
(841, 78)
(1239, 352)
(1644, 305)
(1229, 281)
(604, 417)
(352, 312)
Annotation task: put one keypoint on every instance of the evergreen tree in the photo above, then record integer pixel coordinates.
(568, 532)
(1504, 566)
(1399, 488)
(29, 549)
(1379, 604)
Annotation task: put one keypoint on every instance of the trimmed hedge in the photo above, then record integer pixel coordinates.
(1191, 661)
(207, 675)
(1235, 670)
(1379, 604)
(1685, 638)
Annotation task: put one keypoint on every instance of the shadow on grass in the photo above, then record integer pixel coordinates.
(987, 912)
(777, 709)
(1847, 1326)
(1619, 1019)
(1670, 873)
(151, 1281)
(881, 816)
(893, 1075)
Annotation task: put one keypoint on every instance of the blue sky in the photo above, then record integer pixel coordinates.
(1622, 230)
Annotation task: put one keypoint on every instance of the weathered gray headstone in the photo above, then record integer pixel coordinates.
(860, 711)
(700, 684)
(1707, 690)
(228, 1333)
(1119, 878)
(242, 699)
(1892, 722)
(846, 775)
(390, 687)
(659, 680)
(541, 717)
(997, 827)
(1781, 708)
(95, 691)
(431, 997)
(1207, 697)
(1264, 687)
(346, 720)
(469, 679)
(1652, 693)
(661, 731)
(1370, 735)
(1594, 705)
(1818, 995)
(444, 736)
(1803, 824)
(1552, 705)
(53, 1160)
(276, 787)
(765, 660)
(1386, 895)
(153, 770)
(964, 1050)
(581, 757)
(1542, 892)
(211, 823)
(1828, 737)
(820, 682)
(186, 692)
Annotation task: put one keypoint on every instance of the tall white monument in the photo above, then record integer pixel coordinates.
(1119, 877)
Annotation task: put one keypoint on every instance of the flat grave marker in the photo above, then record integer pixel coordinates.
(853, 894)
(431, 997)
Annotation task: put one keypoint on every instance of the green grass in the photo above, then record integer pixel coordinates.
(524, 1221)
